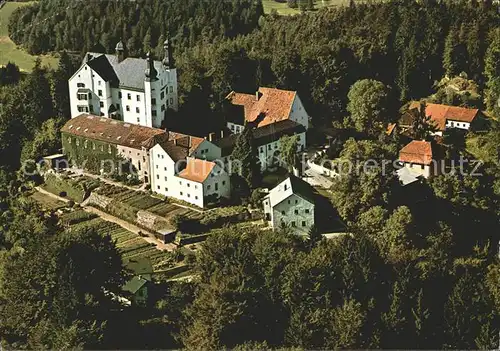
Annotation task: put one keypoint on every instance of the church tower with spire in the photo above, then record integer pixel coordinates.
(168, 65)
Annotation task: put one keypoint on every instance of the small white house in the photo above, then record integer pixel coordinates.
(134, 90)
(447, 117)
(291, 202)
(267, 106)
(420, 158)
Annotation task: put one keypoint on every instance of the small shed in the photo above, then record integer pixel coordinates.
(166, 235)
(56, 161)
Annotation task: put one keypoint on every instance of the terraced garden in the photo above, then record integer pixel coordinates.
(129, 244)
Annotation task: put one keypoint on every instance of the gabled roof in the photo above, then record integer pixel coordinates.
(263, 135)
(176, 152)
(197, 170)
(290, 186)
(441, 113)
(112, 131)
(187, 141)
(417, 151)
(128, 73)
(268, 105)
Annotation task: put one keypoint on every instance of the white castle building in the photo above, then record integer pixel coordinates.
(133, 90)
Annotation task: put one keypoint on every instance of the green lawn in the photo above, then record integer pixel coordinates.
(283, 9)
(9, 51)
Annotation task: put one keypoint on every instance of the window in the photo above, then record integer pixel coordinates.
(153, 101)
(171, 101)
(196, 186)
(288, 200)
(283, 213)
(171, 89)
(69, 140)
(261, 149)
(162, 95)
(181, 193)
(93, 146)
(163, 107)
(189, 195)
(166, 189)
(80, 85)
(101, 104)
(303, 223)
(138, 120)
(223, 182)
(117, 106)
(129, 96)
(102, 148)
(157, 176)
(216, 186)
(138, 98)
(81, 96)
(158, 187)
(90, 96)
(296, 212)
(119, 95)
(269, 147)
(99, 92)
(164, 168)
(232, 128)
(153, 113)
(85, 143)
(77, 142)
(196, 197)
(276, 145)
(293, 223)
(137, 110)
(127, 108)
(208, 187)
(189, 185)
(109, 149)
(296, 201)
(165, 178)
(99, 82)
(306, 210)
(180, 183)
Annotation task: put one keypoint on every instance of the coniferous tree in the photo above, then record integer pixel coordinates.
(243, 158)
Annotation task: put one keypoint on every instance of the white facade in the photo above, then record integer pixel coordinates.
(457, 124)
(284, 205)
(207, 151)
(269, 153)
(165, 180)
(145, 103)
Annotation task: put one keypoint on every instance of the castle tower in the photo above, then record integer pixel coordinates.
(120, 51)
(171, 73)
(152, 87)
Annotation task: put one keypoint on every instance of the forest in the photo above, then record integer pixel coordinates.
(420, 269)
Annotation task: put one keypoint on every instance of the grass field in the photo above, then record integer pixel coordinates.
(47, 202)
(9, 51)
(283, 9)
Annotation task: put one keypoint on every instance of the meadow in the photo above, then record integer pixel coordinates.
(8, 49)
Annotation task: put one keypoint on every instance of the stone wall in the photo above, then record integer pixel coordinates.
(97, 200)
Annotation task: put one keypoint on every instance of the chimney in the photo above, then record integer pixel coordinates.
(189, 141)
(175, 141)
(211, 137)
(222, 133)
(257, 95)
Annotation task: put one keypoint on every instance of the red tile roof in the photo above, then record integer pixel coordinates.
(197, 170)
(417, 151)
(188, 141)
(441, 113)
(274, 104)
(112, 131)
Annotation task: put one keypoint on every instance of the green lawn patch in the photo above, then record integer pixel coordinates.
(8, 49)
(47, 202)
